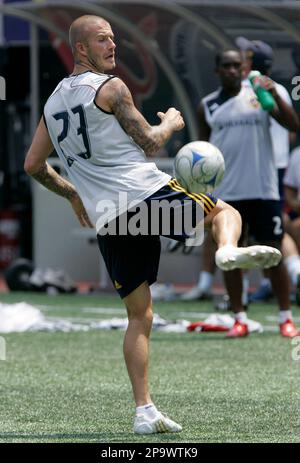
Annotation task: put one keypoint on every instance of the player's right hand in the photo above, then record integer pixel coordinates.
(80, 211)
(173, 117)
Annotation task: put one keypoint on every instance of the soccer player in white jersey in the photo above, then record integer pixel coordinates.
(233, 120)
(259, 56)
(291, 183)
(101, 138)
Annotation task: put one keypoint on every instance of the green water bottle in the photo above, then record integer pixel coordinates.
(264, 96)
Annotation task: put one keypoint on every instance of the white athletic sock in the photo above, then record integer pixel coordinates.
(285, 315)
(149, 410)
(241, 317)
(205, 281)
(245, 290)
(293, 267)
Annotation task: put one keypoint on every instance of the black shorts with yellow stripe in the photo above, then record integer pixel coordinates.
(134, 259)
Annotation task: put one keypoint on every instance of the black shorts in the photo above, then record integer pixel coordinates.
(281, 173)
(132, 260)
(262, 219)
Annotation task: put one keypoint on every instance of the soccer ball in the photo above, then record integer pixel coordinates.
(199, 167)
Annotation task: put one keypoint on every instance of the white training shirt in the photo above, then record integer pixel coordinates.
(240, 129)
(292, 173)
(279, 134)
(98, 155)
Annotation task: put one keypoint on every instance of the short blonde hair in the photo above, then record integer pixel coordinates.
(80, 29)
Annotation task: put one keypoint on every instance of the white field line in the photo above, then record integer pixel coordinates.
(103, 310)
(274, 318)
(74, 319)
(198, 315)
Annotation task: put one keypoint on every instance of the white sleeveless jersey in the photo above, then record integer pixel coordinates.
(240, 129)
(279, 134)
(292, 173)
(99, 157)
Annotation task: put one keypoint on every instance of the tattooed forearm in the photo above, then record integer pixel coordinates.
(149, 138)
(47, 176)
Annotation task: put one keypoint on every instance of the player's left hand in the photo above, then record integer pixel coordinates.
(80, 211)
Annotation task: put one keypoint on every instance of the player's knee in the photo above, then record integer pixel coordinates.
(234, 213)
(148, 318)
(141, 321)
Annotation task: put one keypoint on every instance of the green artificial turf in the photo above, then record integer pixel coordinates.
(73, 387)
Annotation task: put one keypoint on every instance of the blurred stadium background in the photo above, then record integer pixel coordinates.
(165, 53)
(166, 56)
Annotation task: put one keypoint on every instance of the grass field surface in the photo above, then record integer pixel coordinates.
(73, 387)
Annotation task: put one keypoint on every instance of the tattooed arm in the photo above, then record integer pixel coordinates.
(115, 97)
(36, 166)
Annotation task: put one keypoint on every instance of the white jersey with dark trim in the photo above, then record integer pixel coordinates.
(241, 130)
(101, 160)
(279, 134)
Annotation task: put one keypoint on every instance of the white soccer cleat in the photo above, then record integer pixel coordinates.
(230, 257)
(162, 292)
(195, 294)
(161, 423)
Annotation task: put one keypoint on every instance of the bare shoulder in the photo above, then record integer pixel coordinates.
(114, 85)
(113, 93)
